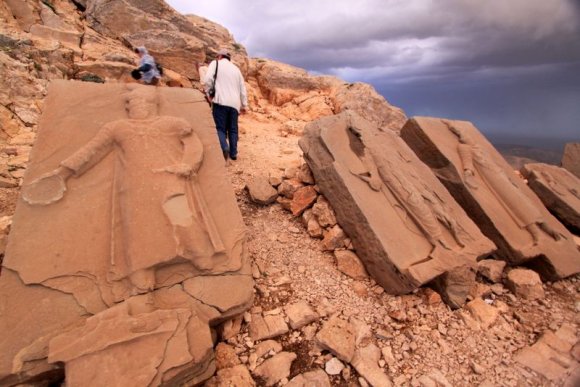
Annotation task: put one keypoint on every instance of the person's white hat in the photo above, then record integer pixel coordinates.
(224, 52)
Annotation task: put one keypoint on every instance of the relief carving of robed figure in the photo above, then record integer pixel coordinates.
(155, 193)
(480, 171)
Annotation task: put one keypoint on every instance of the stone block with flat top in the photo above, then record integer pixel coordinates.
(403, 223)
(501, 204)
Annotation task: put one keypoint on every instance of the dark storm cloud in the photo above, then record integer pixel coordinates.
(327, 34)
(459, 58)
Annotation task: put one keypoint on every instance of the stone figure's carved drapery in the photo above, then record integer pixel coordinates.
(502, 205)
(403, 223)
(127, 243)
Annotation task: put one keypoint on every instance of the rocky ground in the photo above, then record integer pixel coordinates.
(422, 341)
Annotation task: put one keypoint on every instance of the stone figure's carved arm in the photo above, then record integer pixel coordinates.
(90, 154)
(192, 156)
(465, 154)
(192, 151)
(372, 180)
(50, 188)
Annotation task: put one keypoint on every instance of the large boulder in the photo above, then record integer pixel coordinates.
(175, 40)
(363, 99)
(558, 189)
(172, 49)
(503, 206)
(131, 258)
(403, 224)
(281, 83)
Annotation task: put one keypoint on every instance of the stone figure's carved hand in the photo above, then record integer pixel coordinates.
(469, 177)
(48, 188)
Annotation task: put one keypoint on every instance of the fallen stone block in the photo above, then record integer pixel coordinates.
(267, 327)
(503, 206)
(123, 198)
(323, 212)
(337, 336)
(276, 368)
(225, 356)
(288, 187)
(261, 191)
(454, 285)
(491, 269)
(571, 158)
(316, 378)
(483, 313)
(558, 189)
(403, 223)
(550, 356)
(300, 314)
(302, 199)
(333, 238)
(366, 361)
(238, 376)
(350, 264)
(525, 283)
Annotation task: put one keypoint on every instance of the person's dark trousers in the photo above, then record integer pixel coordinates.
(226, 123)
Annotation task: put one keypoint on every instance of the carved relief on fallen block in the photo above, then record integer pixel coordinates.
(124, 198)
(501, 204)
(404, 225)
(558, 189)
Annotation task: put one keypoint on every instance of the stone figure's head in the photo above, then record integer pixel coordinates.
(141, 102)
(461, 133)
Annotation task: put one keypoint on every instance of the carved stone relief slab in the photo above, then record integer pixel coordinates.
(403, 223)
(124, 198)
(502, 205)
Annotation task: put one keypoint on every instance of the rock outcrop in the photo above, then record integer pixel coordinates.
(144, 257)
(558, 189)
(404, 225)
(503, 206)
(305, 97)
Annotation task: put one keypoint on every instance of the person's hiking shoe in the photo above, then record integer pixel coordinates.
(234, 157)
(226, 155)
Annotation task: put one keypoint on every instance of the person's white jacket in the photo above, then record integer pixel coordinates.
(230, 89)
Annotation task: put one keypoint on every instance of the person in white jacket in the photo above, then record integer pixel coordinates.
(224, 84)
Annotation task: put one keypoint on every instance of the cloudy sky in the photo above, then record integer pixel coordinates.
(509, 66)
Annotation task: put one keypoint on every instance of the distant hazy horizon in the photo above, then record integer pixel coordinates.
(509, 67)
